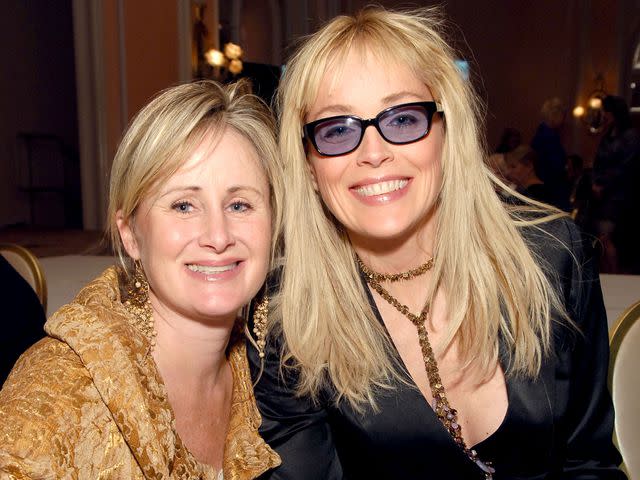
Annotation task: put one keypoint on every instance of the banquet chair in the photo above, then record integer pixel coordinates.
(28, 266)
(624, 385)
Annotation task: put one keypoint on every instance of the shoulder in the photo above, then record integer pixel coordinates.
(48, 379)
(42, 404)
(566, 256)
(556, 241)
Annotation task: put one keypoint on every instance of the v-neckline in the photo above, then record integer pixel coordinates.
(412, 383)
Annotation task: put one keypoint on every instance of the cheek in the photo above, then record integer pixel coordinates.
(429, 162)
(165, 237)
(262, 231)
(255, 233)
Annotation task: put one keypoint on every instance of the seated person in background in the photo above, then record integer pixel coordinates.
(521, 170)
(580, 181)
(616, 173)
(144, 374)
(498, 165)
(552, 157)
(510, 139)
(23, 317)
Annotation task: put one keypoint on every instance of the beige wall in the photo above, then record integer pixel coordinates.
(151, 43)
(141, 58)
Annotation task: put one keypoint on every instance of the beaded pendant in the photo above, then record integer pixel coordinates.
(447, 415)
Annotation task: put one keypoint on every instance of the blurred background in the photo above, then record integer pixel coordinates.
(77, 71)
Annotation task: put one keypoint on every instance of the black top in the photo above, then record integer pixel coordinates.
(558, 425)
(22, 319)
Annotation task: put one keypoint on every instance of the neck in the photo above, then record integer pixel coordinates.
(396, 255)
(190, 353)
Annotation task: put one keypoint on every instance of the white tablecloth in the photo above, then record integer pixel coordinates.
(66, 275)
(620, 292)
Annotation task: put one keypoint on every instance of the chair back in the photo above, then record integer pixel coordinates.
(28, 266)
(624, 384)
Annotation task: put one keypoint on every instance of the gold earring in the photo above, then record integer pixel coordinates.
(260, 315)
(139, 305)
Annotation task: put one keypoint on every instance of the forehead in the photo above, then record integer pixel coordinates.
(221, 158)
(362, 82)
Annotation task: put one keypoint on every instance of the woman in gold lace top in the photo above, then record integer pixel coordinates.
(142, 375)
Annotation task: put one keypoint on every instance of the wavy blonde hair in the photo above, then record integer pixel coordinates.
(330, 332)
(165, 133)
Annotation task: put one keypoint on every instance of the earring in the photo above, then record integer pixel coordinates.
(139, 305)
(260, 315)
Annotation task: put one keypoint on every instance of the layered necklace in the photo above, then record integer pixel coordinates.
(446, 414)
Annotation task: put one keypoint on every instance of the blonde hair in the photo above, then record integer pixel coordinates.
(329, 329)
(165, 133)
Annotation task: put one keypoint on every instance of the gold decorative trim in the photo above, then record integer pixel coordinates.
(34, 265)
(625, 321)
(620, 329)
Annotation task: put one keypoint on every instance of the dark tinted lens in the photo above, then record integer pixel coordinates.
(405, 124)
(337, 135)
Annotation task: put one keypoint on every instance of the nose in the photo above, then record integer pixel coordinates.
(217, 233)
(374, 150)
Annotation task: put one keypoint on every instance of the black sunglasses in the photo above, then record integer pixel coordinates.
(400, 124)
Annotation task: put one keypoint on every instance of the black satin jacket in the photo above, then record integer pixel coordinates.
(558, 425)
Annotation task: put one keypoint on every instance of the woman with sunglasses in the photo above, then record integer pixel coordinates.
(422, 328)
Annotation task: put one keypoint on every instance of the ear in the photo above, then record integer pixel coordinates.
(127, 235)
(312, 174)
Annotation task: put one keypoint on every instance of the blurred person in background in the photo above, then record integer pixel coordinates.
(521, 169)
(615, 190)
(552, 157)
(23, 314)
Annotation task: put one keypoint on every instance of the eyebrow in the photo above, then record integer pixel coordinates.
(195, 188)
(192, 188)
(404, 94)
(348, 109)
(337, 108)
(239, 188)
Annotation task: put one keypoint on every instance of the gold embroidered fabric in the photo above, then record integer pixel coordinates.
(87, 402)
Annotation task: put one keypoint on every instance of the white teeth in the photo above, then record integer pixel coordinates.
(211, 270)
(381, 188)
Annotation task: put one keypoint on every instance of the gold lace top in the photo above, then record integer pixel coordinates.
(88, 402)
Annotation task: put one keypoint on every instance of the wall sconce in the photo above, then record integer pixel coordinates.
(211, 63)
(226, 62)
(593, 115)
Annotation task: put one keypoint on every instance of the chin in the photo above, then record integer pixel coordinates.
(219, 311)
(387, 231)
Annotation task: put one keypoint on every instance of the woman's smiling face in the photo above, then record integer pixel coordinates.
(204, 236)
(380, 191)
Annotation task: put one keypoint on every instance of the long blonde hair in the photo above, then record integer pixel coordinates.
(330, 332)
(165, 133)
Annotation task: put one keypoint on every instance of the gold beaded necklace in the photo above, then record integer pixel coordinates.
(445, 413)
